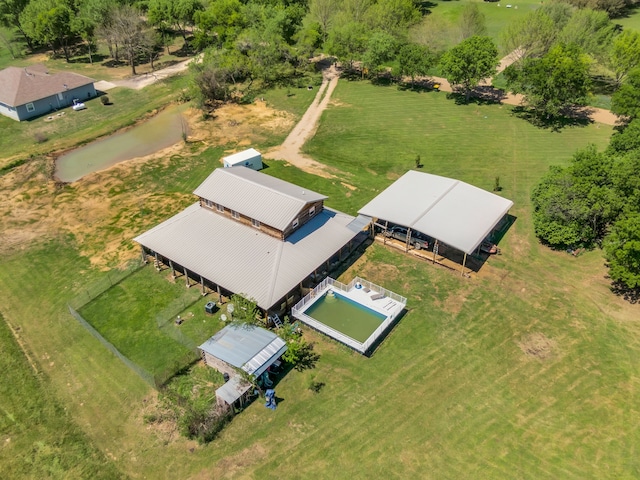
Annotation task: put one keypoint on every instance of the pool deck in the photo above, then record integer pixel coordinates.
(372, 296)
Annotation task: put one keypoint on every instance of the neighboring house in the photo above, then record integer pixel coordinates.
(32, 91)
(241, 347)
(254, 235)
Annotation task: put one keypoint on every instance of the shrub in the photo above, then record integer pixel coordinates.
(105, 100)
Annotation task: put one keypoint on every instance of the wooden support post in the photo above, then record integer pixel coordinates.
(157, 262)
(219, 294)
(435, 251)
(186, 276)
(173, 270)
(144, 255)
(464, 262)
(406, 244)
(384, 234)
(202, 283)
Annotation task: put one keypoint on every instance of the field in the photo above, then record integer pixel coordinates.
(530, 370)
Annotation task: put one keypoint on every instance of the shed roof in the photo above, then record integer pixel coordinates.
(251, 348)
(242, 156)
(449, 210)
(233, 390)
(267, 199)
(19, 86)
(241, 258)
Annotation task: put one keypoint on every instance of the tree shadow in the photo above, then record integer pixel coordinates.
(425, 6)
(571, 117)
(631, 295)
(480, 95)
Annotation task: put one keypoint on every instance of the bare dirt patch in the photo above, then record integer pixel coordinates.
(537, 345)
(97, 210)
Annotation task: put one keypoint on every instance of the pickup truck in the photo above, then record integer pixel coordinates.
(418, 240)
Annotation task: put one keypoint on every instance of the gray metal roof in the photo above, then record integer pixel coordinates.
(449, 210)
(251, 348)
(242, 156)
(232, 390)
(243, 259)
(265, 198)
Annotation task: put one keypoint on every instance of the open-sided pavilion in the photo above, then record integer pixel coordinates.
(448, 210)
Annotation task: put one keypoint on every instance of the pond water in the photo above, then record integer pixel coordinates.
(161, 131)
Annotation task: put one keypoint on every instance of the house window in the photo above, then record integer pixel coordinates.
(312, 211)
(235, 214)
(30, 107)
(208, 203)
(219, 207)
(255, 223)
(295, 223)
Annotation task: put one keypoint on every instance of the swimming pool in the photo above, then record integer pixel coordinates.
(346, 315)
(357, 314)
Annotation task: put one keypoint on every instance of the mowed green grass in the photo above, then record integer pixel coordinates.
(373, 135)
(528, 371)
(126, 313)
(497, 15)
(55, 446)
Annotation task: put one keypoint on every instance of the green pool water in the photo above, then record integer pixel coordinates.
(346, 316)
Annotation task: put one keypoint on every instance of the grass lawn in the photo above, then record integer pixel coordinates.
(496, 17)
(529, 370)
(39, 136)
(126, 316)
(39, 437)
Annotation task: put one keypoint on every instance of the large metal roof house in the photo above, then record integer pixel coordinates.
(450, 211)
(254, 235)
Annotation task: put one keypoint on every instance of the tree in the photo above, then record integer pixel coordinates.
(415, 60)
(558, 80)
(538, 31)
(381, 47)
(575, 205)
(472, 21)
(323, 12)
(626, 139)
(10, 11)
(392, 16)
(126, 29)
(626, 101)
(222, 20)
(348, 42)
(50, 22)
(173, 13)
(622, 250)
(590, 30)
(245, 311)
(625, 53)
(469, 62)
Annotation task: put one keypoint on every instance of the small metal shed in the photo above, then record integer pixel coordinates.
(250, 158)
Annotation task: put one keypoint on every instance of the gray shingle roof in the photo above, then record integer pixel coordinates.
(449, 210)
(251, 348)
(19, 86)
(241, 258)
(259, 196)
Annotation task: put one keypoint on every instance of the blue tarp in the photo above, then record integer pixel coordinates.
(270, 396)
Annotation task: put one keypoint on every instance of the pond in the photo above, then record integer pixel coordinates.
(161, 131)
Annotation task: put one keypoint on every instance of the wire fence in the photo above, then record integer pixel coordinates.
(93, 290)
(145, 375)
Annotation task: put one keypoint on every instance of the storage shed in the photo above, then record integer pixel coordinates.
(250, 158)
(246, 347)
